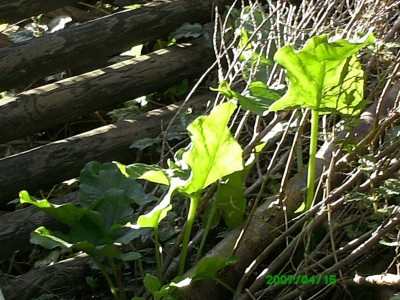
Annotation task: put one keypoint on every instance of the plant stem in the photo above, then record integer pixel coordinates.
(194, 201)
(108, 278)
(207, 229)
(158, 254)
(312, 159)
(117, 278)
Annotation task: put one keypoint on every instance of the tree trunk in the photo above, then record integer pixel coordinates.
(22, 63)
(52, 104)
(66, 278)
(55, 162)
(16, 10)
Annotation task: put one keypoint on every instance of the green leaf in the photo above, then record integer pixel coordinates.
(323, 76)
(90, 228)
(260, 90)
(113, 206)
(151, 173)
(130, 256)
(214, 152)
(152, 283)
(45, 238)
(257, 105)
(230, 199)
(96, 179)
(154, 217)
(110, 250)
(68, 213)
(208, 267)
(94, 225)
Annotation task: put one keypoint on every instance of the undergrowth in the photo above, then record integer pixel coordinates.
(285, 74)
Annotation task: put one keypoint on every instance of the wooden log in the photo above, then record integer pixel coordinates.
(22, 63)
(52, 104)
(16, 227)
(16, 10)
(61, 160)
(65, 278)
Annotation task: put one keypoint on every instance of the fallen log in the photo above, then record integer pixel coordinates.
(16, 227)
(22, 63)
(65, 278)
(55, 103)
(61, 160)
(16, 10)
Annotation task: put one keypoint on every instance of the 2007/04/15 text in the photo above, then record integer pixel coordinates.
(300, 279)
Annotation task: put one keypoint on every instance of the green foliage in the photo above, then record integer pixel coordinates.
(200, 164)
(259, 100)
(110, 192)
(107, 198)
(208, 267)
(212, 154)
(256, 66)
(323, 76)
(230, 199)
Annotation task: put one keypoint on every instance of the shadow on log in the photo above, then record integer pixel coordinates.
(55, 103)
(16, 227)
(22, 63)
(63, 159)
(16, 10)
(65, 278)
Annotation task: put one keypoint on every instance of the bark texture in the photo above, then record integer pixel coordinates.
(61, 160)
(53, 104)
(16, 10)
(16, 227)
(66, 278)
(22, 63)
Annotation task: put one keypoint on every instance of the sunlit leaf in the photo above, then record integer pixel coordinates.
(151, 173)
(214, 152)
(44, 237)
(323, 76)
(256, 105)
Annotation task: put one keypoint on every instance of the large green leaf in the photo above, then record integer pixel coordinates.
(67, 214)
(96, 179)
(323, 76)
(230, 199)
(152, 283)
(151, 173)
(44, 237)
(214, 152)
(114, 207)
(152, 218)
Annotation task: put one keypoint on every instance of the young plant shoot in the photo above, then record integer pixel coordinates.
(325, 77)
